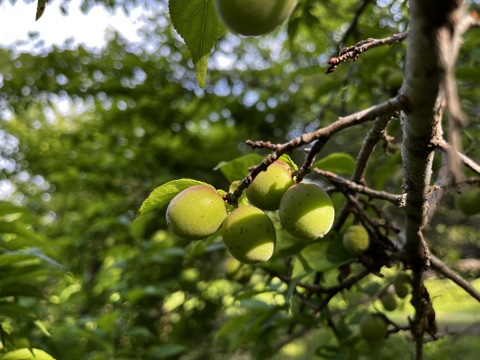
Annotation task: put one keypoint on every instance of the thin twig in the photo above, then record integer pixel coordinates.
(445, 147)
(372, 138)
(353, 52)
(348, 184)
(353, 24)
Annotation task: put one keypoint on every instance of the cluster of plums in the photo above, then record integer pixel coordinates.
(305, 211)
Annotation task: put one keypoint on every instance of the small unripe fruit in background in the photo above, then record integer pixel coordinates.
(373, 328)
(403, 285)
(236, 270)
(196, 212)
(253, 17)
(268, 187)
(249, 235)
(356, 240)
(306, 211)
(389, 302)
(468, 202)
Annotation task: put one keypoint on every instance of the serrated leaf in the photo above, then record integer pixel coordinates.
(237, 168)
(165, 193)
(341, 163)
(196, 21)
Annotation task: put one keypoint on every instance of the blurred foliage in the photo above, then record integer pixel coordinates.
(86, 135)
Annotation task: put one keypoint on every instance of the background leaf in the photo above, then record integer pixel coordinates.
(337, 162)
(237, 169)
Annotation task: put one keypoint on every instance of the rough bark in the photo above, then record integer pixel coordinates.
(423, 93)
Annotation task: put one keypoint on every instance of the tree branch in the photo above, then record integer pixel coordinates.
(443, 269)
(353, 52)
(353, 186)
(424, 74)
(323, 134)
(446, 148)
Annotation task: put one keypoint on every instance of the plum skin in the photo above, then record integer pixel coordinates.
(373, 328)
(253, 17)
(196, 212)
(356, 240)
(249, 235)
(306, 211)
(268, 187)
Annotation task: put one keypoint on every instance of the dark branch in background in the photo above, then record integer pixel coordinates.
(353, 52)
(323, 134)
(352, 28)
(444, 270)
(450, 40)
(376, 133)
(445, 147)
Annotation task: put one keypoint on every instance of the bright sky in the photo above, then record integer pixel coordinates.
(17, 21)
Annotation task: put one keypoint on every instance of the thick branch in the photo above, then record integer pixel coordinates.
(424, 74)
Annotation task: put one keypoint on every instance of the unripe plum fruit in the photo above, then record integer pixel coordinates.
(468, 202)
(236, 270)
(403, 285)
(356, 240)
(373, 328)
(268, 187)
(389, 302)
(253, 17)
(249, 235)
(196, 212)
(306, 211)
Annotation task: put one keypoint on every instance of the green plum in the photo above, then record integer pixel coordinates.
(306, 211)
(403, 285)
(236, 270)
(249, 235)
(196, 212)
(373, 328)
(26, 354)
(356, 240)
(253, 17)
(268, 187)
(389, 302)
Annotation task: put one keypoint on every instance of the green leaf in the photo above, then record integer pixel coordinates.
(42, 327)
(7, 208)
(165, 351)
(197, 23)
(40, 9)
(322, 255)
(165, 193)
(237, 168)
(341, 163)
(288, 160)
